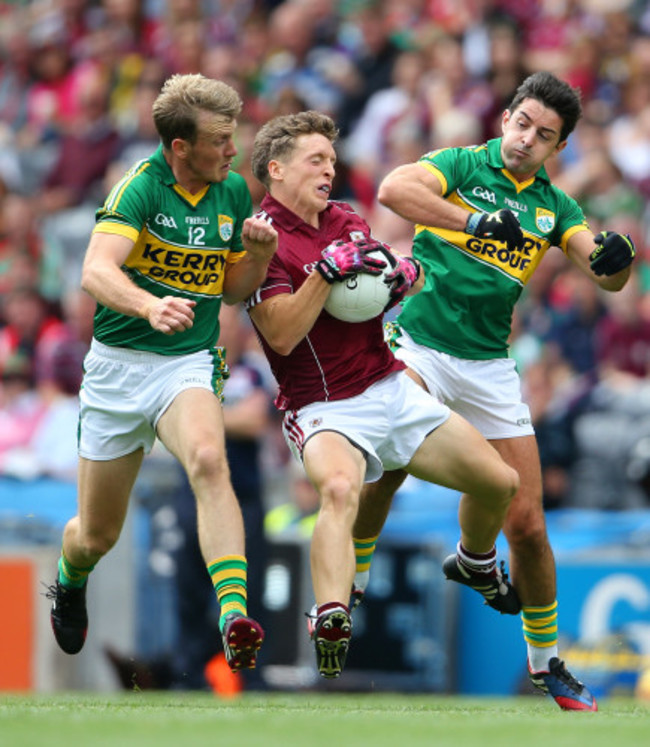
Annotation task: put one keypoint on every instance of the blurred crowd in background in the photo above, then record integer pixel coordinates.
(400, 77)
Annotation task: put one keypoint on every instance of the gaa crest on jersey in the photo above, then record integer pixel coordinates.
(226, 227)
(544, 220)
(315, 422)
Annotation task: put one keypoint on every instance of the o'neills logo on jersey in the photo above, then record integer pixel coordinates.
(226, 227)
(544, 220)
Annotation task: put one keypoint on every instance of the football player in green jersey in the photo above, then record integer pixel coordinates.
(484, 217)
(173, 239)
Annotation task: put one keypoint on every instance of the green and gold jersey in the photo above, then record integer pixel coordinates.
(183, 243)
(465, 308)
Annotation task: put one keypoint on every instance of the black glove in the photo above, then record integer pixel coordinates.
(500, 226)
(344, 258)
(613, 253)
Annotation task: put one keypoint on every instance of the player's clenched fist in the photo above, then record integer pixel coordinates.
(170, 314)
(612, 254)
(501, 225)
(259, 238)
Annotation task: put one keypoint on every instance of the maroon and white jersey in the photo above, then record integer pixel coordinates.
(336, 360)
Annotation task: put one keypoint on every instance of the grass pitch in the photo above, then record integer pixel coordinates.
(313, 720)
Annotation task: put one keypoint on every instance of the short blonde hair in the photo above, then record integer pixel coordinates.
(182, 97)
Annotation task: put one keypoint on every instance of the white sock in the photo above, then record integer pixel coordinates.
(538, 658)
(477, 562)
(361, 579)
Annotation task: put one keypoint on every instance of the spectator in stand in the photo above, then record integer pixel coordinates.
(43, 420)
(135, 29)
(30, 328)
(15, 74)
(78, 309)
(21, 244)
(623, 338)
(85, 151)
(454, 127)
(75, 185)
(173, 14)
(187, 47)
(590, 175)
(296, 61)
(51, 100)
(505, 71)
(366, 35)
(20, 410)
(556, 397)
(298, 515)
(76, 17)
(629, 134)
(139, 138)
(387, 112)
(572, 332)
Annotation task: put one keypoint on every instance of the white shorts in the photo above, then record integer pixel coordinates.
(125, 392)
(486, 393)
(388, 422)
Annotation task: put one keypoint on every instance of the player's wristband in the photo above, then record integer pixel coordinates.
(327, 271)
(472, 223)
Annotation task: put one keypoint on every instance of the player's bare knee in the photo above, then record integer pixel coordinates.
(95, 546)
(503, 489)
(529, 534)
(340, 494)
(511, 482)
(207, 462)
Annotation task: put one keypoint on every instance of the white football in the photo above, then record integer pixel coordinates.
(361, 297)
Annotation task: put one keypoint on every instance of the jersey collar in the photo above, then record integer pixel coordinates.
(287, 218)
(495, 160)
(161, 168)
(162, 171)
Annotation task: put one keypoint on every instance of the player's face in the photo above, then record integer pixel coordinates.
(531, 134)
(210, 157)
(303, 181)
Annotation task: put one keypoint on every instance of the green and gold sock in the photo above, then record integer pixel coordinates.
(70, 575)
(363, 551)
(229, 580)
(540, 634)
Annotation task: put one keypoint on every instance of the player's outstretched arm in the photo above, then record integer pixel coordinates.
(607, 257)
(260, 241)
(612, 254)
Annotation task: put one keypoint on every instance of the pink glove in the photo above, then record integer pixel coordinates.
(344, 258)
(402, 278)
